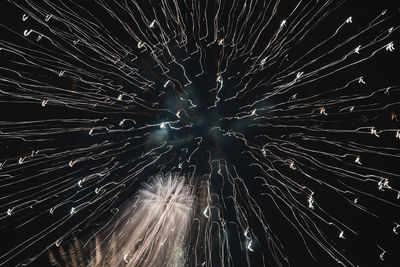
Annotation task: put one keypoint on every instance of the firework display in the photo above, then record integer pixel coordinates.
(199, 133)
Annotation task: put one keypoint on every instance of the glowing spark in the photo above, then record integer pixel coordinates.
(390, 47)
(9, 211)
(311, 201)
(357, 160)
(249, 246)
(21, 160)
(205, 212)
(27, 32)
(341, 235)
(72, 211)
(373, 131)
(72, 162)
(395, 229)
(383, 184)
(48, 17)
(166, 83)
(382, 254)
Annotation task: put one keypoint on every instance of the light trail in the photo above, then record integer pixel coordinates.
(282, 116)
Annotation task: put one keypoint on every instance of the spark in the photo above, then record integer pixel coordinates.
(390, 47)
(249, 246)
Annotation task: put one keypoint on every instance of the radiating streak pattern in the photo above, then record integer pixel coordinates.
(275, 112)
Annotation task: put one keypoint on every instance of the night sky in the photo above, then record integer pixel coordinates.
(282, 116)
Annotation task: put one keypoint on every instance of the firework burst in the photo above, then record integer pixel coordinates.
(281, 116)
(152, 231)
